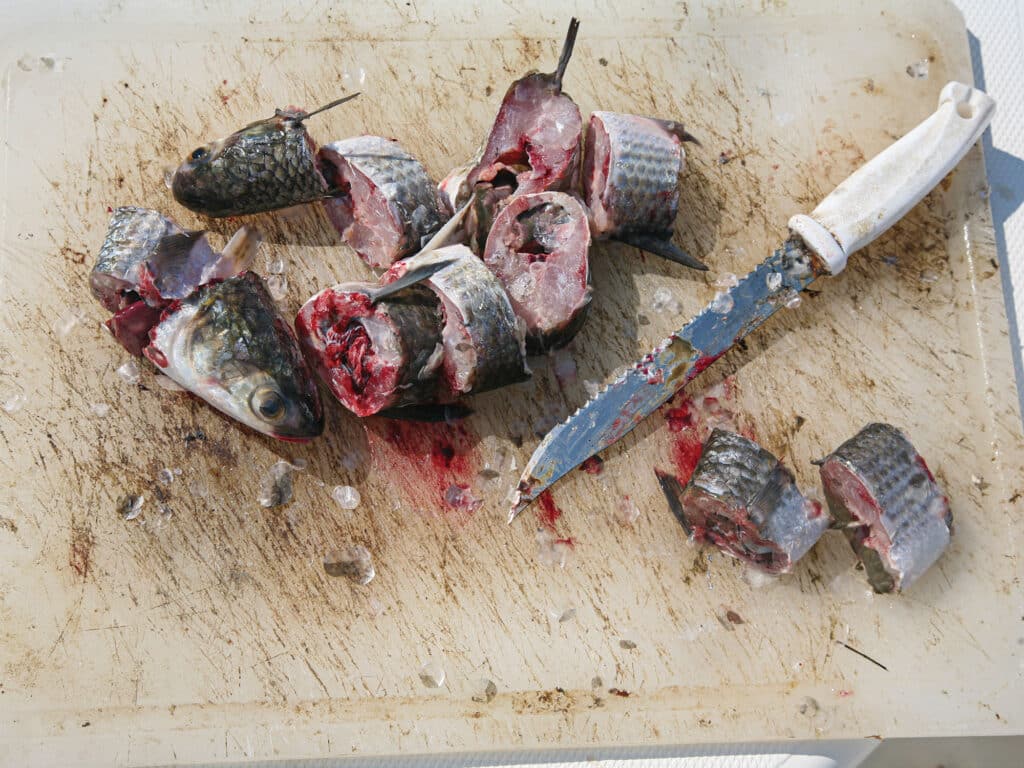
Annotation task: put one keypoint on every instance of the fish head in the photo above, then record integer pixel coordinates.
(225, 176)
(229, 345)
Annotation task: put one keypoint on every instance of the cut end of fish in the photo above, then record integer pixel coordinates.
(663, 247)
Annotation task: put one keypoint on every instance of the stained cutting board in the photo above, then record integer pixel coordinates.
(209, 630)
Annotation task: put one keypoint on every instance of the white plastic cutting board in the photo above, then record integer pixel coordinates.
(214, 634)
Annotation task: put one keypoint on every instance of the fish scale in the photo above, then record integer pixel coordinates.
(482, 312)
(274, 170)
(913, 522)
(744, 501)
(643, 185)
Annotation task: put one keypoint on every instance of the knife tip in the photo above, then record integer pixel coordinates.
(523, 497)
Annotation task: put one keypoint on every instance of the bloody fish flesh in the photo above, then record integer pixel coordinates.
(374, 355)
(539, 248)
(534, 144)
(385, 204)
(743, 501)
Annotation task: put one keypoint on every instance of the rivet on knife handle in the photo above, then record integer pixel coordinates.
(859, 210)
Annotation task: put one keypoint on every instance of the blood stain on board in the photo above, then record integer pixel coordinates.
(424, 461)
(80, 549)
(691, 419)
(547, 511)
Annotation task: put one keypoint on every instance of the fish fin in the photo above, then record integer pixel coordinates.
(673, 491)
(677, 130)
(300, 116)
(664, 247)
(411, 277)
(241, 250)
(563, 59)
(174, 248)
(429, 413)
(440, 237)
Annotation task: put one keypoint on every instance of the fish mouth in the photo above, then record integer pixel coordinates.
(299, 434)
(184, 189)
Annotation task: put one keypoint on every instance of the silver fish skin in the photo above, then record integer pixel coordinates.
(133, 237)
(631, 169)
(484, 341)
(385, 203)
(374, 355)
(882, 494)
(539, 247)
(742, 500)
(228, 344)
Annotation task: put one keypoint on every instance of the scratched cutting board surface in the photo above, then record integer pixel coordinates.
(206, 628)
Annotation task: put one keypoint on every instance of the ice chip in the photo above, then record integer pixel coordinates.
(346, 496)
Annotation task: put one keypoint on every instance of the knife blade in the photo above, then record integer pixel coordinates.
(864, 206)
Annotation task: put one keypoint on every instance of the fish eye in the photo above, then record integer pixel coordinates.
(268, 403)
(200, 153)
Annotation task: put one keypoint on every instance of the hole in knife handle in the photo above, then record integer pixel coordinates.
(965, 110)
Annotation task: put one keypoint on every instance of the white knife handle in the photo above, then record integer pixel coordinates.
(881, 191)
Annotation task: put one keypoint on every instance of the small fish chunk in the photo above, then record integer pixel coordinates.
(133, 237)
(374, 356)
(484, 341)
(880, 491)
(743, 501)
(385, 204)
(534, 144)
(631, 168)
(539, 249)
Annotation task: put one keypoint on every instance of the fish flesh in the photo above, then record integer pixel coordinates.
(484, 342)
(228, 344)
(374, 355)
(267, 165)
(743, 501)
(384, 205)
(147, 260)
(534, 144)
(882, 494)
(539, 248)
(631, 169)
